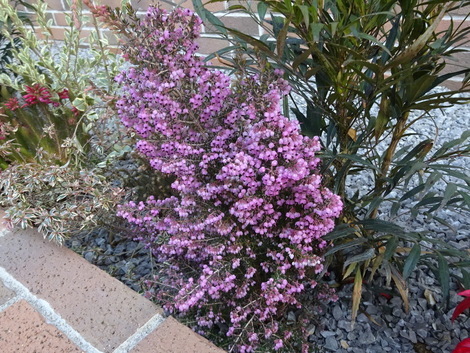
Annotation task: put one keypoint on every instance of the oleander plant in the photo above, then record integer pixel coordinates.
(366, 73)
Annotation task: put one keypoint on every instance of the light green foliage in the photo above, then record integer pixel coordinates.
(367, 70)
(59, 200)
(51, 154)
(79, 63)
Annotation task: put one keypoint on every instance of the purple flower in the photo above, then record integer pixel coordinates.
(242, 240)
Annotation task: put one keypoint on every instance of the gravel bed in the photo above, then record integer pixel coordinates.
(382, 325)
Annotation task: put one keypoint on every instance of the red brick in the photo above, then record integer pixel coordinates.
(23, 330)
(211, 45)
(461, 11)
(459, 61)
(59, 18)
(242, 24)
(55, 5)
(444, 25)
(250, 5)
(213, 7)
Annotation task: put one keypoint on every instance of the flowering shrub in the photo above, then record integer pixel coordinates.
(242, 237)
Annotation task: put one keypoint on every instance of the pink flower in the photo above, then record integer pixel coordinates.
(37, 94)
(12, 104)
(64, 94)
(242, 237)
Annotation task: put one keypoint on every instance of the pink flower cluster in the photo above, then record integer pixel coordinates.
(36, 94)
(243, 237)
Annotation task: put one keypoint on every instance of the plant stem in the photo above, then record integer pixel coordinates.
(398, 132)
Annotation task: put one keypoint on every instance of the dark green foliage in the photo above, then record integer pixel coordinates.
(367, 71)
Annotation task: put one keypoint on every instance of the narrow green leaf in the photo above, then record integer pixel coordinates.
(374, 205)
(281, 38)
(349, 270)
(465, 278)
(450, 191)
(412, 192)
(419, 151)
(262, 8)
(366, 255)
(444, 223)
(215, 21)
(391, 248)
(428, 201)
(357, 294)
(394, 209)
(301, 58)
(237, 7)
(466, 197)
(306, 14)
(444, 278)
(253, 41)
(340, 231)
(344, 246)
(379, 225)
(411, 260)
(356, 158)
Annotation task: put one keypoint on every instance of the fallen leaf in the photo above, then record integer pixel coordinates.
(429, 297)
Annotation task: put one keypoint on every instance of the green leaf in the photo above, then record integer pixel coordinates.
(411, 260)
(356, 158)
(366, 255)
(444, 223)
(357, 294)
(344, 246)
(465, 279)
(237, 7)
(427, 200)
(252, 41)
(391, 248)
(262, 8)
(80, 104)
(450, 144)
(450, 191)
(444, 278)
(281, 38)
(376, 202)
(419, 151)
(466, 197)
(412, 192)
(382, 226)
(340, 231)
(306, 14)
(394, 209)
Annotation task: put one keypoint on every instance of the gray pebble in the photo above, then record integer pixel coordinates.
(331, 343)
(338, 312)
(90, 256)
(367, 337)
(327, 333)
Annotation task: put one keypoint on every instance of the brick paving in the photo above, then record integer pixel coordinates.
(54, 301)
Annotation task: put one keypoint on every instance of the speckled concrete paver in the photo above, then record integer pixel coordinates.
(5, 294)
(54, 301)
(172, 337)
(24, 330)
